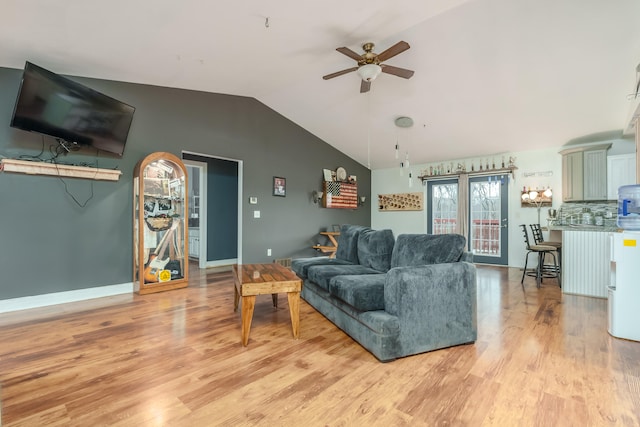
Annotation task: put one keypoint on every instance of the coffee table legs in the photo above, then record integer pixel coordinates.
(294, 312)
(236, 297)
(248, 304)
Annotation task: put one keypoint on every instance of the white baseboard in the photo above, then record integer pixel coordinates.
(44, 300)
(222, 262)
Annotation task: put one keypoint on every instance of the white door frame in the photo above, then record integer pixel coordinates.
(202, 219)
(239, 220)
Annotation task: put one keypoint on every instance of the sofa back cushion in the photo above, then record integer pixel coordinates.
(348, 242)
(375, 248)
(423, 249)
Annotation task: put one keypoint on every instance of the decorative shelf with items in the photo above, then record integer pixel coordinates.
(482, 168)
(57, 169)
(159, 221)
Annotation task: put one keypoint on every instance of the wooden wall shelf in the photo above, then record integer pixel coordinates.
(54, 169)
(509, 170)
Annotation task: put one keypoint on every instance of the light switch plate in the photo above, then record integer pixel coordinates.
(256, 214)
(253, 200)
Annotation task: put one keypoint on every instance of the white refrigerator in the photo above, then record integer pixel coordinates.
(624, 286)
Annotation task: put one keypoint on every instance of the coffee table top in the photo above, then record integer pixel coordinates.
(258, 279)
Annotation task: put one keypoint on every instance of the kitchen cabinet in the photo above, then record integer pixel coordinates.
(572, 176)
(584, 173)
(194, 243)
(621, 170)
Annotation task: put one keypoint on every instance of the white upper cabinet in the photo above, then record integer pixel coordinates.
(621, 170)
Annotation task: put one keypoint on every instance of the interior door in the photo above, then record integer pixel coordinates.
(488, 219)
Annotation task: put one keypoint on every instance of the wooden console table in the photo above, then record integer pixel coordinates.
(333, 247)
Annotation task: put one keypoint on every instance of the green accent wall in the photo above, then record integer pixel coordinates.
(52, 244)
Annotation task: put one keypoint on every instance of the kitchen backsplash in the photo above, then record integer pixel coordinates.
(588, 213)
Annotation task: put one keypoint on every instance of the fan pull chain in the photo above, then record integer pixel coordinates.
(369, 131)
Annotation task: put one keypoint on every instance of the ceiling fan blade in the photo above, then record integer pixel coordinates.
(339, 73)
(349, 53)
(365, 86)
(396, 71)
(393, 51)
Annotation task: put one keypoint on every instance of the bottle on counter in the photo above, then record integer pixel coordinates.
(598, 219)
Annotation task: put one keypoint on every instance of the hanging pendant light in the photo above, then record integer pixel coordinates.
(403, 122)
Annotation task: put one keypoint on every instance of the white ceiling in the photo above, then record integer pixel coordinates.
(491, 76)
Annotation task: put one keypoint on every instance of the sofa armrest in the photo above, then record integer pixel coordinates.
(467, 256)
(435, 304)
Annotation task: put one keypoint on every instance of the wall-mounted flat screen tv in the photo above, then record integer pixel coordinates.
(56, 106)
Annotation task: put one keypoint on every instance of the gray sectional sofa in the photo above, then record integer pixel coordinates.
(396, 297)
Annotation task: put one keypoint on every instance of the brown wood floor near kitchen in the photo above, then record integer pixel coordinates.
(174, 359)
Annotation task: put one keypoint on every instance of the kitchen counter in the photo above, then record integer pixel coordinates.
(580, 227)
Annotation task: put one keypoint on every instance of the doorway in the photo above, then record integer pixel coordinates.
(485, 210)
(219, 209)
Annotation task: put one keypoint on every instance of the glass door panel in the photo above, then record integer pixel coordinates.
(442, 212)
(488, 219)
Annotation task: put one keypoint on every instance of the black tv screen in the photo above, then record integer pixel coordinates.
(56, 106)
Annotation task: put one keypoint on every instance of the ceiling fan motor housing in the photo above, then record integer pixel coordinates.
(369, 57)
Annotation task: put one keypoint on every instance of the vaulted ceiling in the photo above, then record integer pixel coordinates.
(491, 76)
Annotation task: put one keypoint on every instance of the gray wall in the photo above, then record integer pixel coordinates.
(51, 244)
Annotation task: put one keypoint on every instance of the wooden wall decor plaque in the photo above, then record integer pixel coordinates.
(401, 202)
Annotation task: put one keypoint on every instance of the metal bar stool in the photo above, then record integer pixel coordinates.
(538, 238)
(542, 251)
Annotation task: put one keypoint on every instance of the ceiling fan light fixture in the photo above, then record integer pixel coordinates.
(369, 72)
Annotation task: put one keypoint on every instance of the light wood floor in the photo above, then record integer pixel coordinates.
(175, 359)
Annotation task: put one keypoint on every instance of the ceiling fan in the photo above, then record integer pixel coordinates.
(370, 64)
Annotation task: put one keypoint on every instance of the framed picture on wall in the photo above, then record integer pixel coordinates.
(279, 186)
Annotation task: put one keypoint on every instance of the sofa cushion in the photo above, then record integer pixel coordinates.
(301, 265)
(322, 274)
(424, 249)
(348, 242)
(375, 248)
(364, 292)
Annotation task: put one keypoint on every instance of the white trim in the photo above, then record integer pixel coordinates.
(240, 196)
(44, 300)
(222, 262)
(202, 226)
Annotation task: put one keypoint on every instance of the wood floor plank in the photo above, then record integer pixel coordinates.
(175, 358)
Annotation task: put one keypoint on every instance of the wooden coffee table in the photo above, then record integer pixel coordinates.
(262, 279)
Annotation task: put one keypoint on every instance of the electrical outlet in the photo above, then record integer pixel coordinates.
(268, 252)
